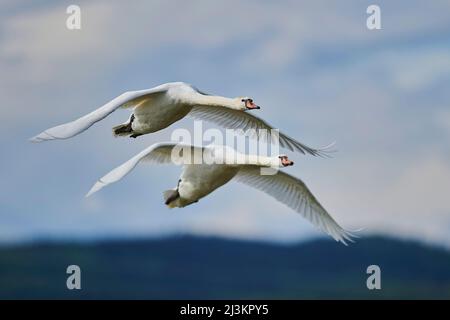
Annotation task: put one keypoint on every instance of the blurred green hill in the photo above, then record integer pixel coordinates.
(213, 268)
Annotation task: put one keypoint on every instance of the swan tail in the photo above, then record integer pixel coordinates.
(170, 197)
(122, 130)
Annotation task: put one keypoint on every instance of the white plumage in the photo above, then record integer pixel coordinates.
(199, 180)
(157, 108)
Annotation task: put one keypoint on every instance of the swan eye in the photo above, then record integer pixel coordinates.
(243, 100)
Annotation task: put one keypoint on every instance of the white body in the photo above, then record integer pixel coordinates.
(158, 111)
(199, 180)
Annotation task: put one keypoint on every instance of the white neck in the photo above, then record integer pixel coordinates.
(216, 101)
(261, 161)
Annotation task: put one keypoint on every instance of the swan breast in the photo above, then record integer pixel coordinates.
(199, 180)
(158, 112)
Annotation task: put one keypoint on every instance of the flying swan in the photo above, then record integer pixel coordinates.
(157, 108)
(199, 179)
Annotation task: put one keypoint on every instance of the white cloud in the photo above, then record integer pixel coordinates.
(402, 196)
(245, 218)
(418, 69)
(267, 33)
(442, 119)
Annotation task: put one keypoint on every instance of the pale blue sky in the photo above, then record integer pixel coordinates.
(314, 67)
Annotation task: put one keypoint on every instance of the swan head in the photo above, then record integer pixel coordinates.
(284, 161)
(246, 103)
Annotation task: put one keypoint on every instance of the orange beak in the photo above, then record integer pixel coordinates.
(250, 105)
(286, 162)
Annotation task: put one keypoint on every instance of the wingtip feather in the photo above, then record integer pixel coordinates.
(348, 236)
(97, 186)
(41, 137)
(35, 139)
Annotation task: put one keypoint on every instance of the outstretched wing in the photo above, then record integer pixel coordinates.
(125, 100)
(235, 119)
(296, 195)
(164, 152)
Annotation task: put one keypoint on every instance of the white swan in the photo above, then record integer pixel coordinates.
(199, 180)
(156, 108)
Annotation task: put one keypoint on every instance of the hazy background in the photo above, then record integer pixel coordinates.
(317, 71)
